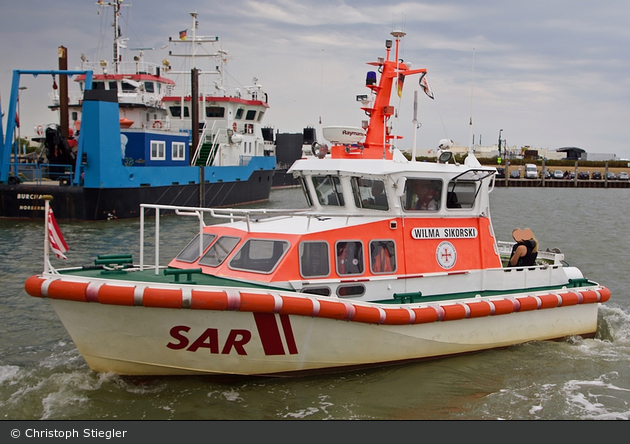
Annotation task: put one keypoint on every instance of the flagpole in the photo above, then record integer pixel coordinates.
(47, 198)
(415, 125)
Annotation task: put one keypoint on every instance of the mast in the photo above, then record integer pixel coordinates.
(118, 41)
(376, 139)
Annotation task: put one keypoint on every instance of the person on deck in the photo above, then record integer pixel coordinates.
(525, 250)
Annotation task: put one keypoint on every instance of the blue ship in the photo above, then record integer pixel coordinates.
(140, 139)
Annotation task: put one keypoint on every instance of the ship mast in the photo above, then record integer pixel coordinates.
(376, 140)
(118, 41)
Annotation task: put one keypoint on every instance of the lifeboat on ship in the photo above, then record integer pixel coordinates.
(393, 261)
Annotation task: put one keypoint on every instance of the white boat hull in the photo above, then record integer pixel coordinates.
(140, 340)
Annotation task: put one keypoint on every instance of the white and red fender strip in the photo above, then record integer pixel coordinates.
(303, 305)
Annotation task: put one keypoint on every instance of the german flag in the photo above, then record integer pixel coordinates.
(399, 83)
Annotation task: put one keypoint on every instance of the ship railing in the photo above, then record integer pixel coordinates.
(540, 275)
(39, 173)
(74, 97)
(554, 256)
(157, 124)
(130, 67)
(249, 216)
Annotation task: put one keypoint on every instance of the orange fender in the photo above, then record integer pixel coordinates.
(162, 297)
(33, 286)
(209, 300)
(71, 291)
(110, 294)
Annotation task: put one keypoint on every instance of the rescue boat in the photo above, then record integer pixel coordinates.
(393, 261)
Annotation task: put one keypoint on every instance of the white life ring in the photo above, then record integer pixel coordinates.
(157, 124)
(234, 126)
(40, 130)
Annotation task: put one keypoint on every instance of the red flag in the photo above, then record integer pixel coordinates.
(57, 242)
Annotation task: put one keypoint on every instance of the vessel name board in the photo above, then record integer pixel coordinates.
(444, 233)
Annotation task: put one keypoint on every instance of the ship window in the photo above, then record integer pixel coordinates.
(461, 194)
(314, 259)
(113, 86)
(369, 194)
(126, 87)
(349, 257)
(422, 195)
(191, 252)
(259, 255)
(319, 291)
(158, 150)
(260, 115)
(176, 111)
(350, 291)
(178, 151)
(148, 87)
(215, 111)
(219, 251)
(98, 85)
(239, 113)
(251, 114)
(328, 189)
(382, 256)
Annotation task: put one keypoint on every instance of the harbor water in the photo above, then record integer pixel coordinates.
(42, 375)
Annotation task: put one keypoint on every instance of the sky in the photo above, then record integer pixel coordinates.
(541, 73)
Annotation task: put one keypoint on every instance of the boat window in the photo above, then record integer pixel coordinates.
(215, 111)
(350, 291)
(239, 113)
(259, 255)
(176, 111)
(461, 194)
(178, 151)
(260, 116)
(422, 195)
(382, 256)
(127, 87)
(158, 150)
(319, 291)
(328, 189)
(190, 253)
(314, 259)
(148, 87)
(251, 114)
(349, 257)
(113, 86)
(219, 251)
(98, 85)
(369, 193)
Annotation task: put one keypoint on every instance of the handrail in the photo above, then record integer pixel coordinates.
(215, 144)
(233, 214)
(199, 144)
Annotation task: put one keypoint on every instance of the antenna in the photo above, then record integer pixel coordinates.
(472, 83)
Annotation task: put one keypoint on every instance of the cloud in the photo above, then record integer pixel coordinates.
(550, 74)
